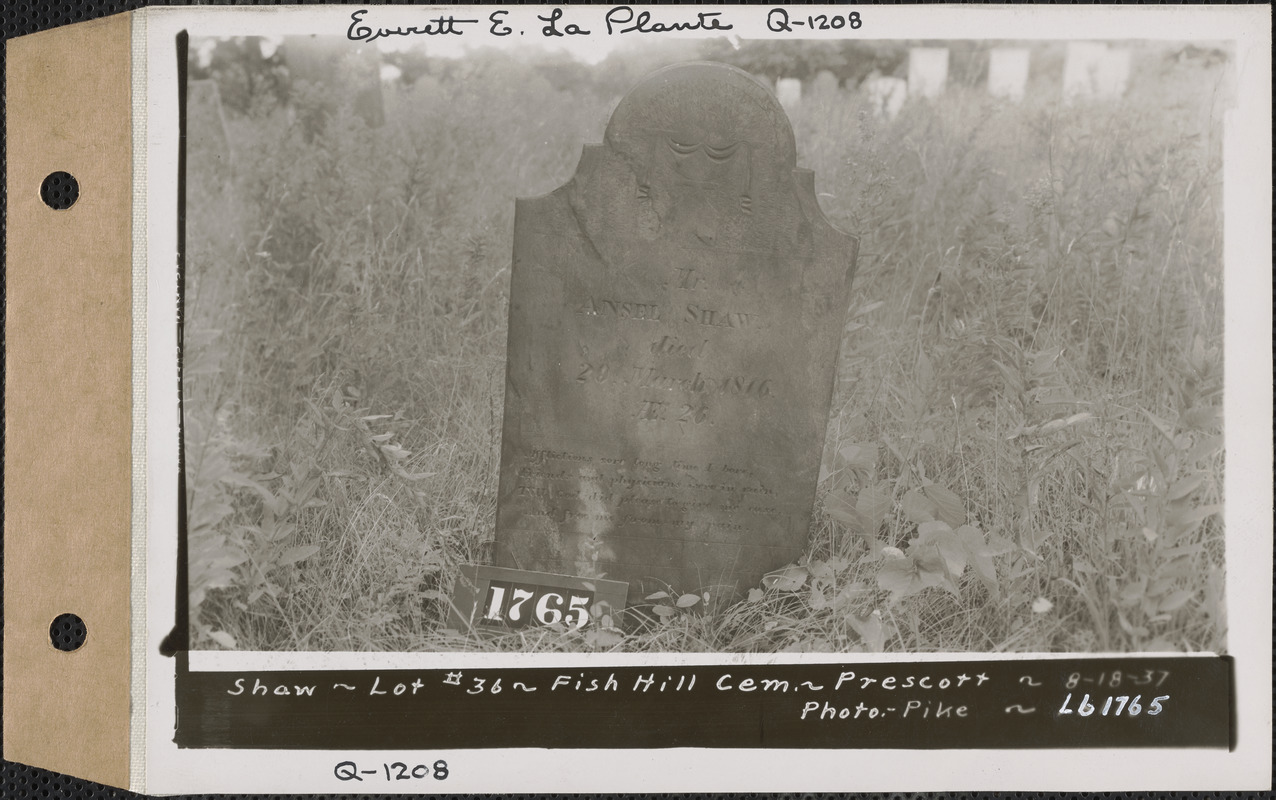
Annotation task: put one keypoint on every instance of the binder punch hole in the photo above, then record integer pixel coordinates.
(67, 633)
(60, 190)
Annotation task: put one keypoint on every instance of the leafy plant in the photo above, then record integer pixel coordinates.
(665, 605)
(1024, 452)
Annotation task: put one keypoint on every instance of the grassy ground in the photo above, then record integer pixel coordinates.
(1024, 451)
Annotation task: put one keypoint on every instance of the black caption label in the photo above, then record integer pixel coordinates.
(1074, 702)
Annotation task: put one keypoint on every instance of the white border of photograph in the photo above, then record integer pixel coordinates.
(1248, 417)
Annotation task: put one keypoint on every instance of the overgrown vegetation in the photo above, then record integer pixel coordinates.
(1025, 448)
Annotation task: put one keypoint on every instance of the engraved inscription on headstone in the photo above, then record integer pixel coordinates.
(675, 316)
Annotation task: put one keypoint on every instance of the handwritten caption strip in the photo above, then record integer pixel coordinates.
(1131, 702)
(369, 25)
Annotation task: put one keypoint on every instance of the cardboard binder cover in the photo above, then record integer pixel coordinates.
(67, 400)
(783, 692)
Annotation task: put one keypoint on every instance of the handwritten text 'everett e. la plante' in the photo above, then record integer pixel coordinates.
(365, 26)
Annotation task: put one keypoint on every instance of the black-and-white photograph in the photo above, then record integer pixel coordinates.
(640, 398)
(812, 346)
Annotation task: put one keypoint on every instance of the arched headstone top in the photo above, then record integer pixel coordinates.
(704, 114)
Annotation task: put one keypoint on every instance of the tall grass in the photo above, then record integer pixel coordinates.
(1024, 450)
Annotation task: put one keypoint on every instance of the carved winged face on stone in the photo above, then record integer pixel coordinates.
(704, 157)
(703, 141)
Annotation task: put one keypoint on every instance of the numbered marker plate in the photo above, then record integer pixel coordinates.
(497, 598)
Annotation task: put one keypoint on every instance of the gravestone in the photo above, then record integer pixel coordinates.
(824, 85)
(825, 94)
(675, 315)
(1091, 69)
(1008, 72)
(1114, 72)
(789, 92)
(927, 71)
(1080, 64)
(886, 95)
(206, 138)
(327, 71)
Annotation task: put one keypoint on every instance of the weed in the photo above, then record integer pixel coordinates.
(1025, 447)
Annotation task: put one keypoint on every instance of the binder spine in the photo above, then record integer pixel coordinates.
(68, 391)
(137, 579)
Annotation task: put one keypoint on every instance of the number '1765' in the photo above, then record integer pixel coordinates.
(1117, 706)
(516, 605)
